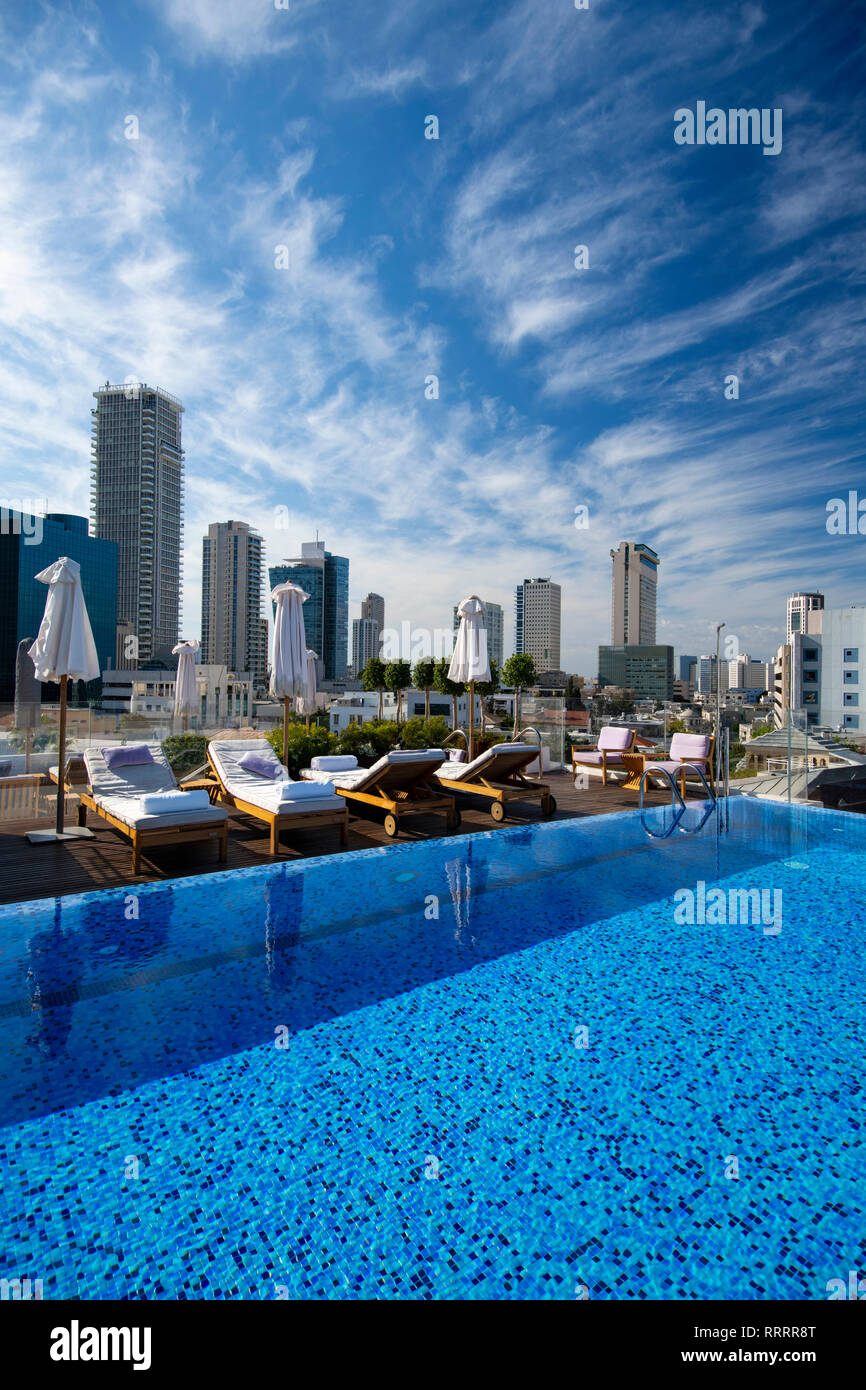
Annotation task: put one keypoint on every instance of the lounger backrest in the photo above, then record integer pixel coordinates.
(132, 781)
(693, 747)
(506, 758)
(615, 739)
(225, 755)
(400, 770)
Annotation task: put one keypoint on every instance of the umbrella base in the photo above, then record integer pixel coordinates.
(48, 837)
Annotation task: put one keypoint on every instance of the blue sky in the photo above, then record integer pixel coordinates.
(304, 387)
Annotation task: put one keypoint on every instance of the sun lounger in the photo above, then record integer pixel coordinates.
(276, 800)
(498, 776)
(142, 800)
(613, 741)
(402, 783)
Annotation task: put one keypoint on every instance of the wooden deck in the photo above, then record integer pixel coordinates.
(40, 871)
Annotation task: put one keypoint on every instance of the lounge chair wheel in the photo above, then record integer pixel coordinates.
(497, 810)
(454, 820)
(548, 806)
(391, 825)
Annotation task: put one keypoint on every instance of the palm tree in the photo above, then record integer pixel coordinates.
(373, 678)
(422, 678)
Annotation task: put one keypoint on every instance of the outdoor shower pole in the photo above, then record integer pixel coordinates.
(719, 627)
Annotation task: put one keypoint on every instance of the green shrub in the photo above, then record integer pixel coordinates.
(419, 732)
(304, 745)
(369, 741)
(185, 752)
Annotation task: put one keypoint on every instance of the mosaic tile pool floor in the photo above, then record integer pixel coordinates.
(434, 1126)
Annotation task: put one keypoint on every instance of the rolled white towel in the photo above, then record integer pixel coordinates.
(299, 791)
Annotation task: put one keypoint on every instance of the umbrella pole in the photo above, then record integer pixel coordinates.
(28, 747)
(186, 721)
(286, 731)
(471, 719)
(308, 723)
(61, 758)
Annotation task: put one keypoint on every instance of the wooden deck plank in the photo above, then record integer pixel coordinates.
(39, 871)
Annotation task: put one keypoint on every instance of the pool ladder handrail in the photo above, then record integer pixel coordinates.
(529, 729)
(675, 797)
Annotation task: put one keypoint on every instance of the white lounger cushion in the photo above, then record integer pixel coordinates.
(129, 810)
(249, 786)
(121, 793)
(456, 772)
(157, 802)
(356, 778)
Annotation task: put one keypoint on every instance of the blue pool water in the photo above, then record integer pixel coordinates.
(437, 1124)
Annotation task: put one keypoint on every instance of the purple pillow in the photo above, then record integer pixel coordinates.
(131, 755)
(263, 766)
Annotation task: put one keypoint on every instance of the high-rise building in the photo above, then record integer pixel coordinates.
(645, 669)
(137, 502)
(686, 672)
(365, 643)
(26, 550)
(537, 622)
(708, 675)
(373, 609)
(746, 674)
(494, 622)
(804, 614)
(325, 577)
(633, 608)
(233, 628)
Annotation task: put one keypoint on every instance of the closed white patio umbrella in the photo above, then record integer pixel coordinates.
(307, 699)
(470, 662)
(185, 689)
(64, 650)
(289, 650)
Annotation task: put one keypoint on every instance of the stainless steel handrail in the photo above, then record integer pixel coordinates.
(529, 729)
(454, 732)
(676, 796)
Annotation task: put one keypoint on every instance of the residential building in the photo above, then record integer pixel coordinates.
(26, 550)
(137, 502)
(634, 585)
(362, 706)
(495, 626)
(234, 631)
(325, 577)
(648, 670)
(840, 651)
(365, 642)
(537, 622)
(804, 614)
(225, 697)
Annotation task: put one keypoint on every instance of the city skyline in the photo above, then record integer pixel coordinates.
(572, 404)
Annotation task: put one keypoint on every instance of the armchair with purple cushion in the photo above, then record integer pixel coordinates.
(613, 741)
(686, 751)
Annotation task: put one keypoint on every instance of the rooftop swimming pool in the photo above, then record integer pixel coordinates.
(544, 1062)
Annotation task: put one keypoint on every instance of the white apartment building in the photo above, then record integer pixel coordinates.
(537, 622)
